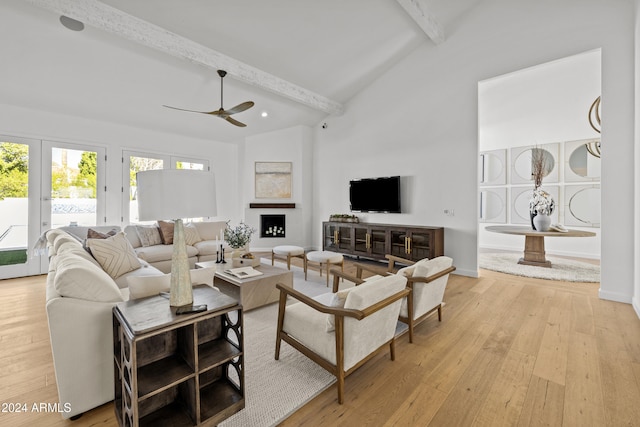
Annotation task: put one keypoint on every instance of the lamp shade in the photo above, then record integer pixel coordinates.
(175, 194)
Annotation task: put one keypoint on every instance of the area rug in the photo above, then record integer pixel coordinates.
(561, 269)
(274, 389)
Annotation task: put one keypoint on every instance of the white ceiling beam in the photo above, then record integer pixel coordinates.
(425, 19)
(107, 18)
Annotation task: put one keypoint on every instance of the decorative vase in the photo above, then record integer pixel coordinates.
(533, 215)
(237, 253)
(541, 222)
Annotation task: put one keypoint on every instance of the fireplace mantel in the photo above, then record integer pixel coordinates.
(272, 205)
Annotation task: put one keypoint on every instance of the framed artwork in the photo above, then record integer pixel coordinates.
(273, 180)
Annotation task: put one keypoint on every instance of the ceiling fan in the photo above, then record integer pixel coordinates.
(222, 113)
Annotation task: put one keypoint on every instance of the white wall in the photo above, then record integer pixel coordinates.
(116, 138)
(544, 104)
(420, 121)
(287, 145)
(636, 293)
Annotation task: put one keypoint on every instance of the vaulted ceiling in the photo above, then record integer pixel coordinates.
(299, 61)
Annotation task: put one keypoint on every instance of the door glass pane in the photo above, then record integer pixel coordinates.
(138, 164)
(189, 165)
(14, 203)
(73, 187)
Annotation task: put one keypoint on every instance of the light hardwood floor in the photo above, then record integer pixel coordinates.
(509, 351)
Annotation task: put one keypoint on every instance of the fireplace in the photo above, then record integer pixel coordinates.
(272, 226)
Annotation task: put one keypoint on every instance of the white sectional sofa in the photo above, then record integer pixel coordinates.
(200, 237)
(80, 294)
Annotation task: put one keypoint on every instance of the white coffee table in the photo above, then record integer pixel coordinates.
(254, 291)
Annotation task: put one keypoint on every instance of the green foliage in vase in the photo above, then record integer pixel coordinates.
(239, 236)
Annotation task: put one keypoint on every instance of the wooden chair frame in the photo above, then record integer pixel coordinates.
(391, 267)
(340, 314)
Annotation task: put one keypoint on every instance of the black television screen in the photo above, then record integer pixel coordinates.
(375, 194)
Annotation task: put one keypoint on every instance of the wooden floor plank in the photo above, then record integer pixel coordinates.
(584, 404)
(543, 404)
(471, 368)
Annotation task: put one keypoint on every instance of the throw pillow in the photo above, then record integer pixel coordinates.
(148, 235)
(166, 232)
(115, 254)
(95, 234)
(191, 235)
(337, 301)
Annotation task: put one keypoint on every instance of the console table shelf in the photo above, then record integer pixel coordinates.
(178, 369)
(376, 240)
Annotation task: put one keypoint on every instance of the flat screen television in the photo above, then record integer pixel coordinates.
(375, 194)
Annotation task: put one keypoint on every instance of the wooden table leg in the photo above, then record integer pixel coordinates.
(534, 252)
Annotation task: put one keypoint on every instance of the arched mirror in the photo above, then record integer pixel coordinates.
(583, 161)
(493, 167)
(522, 159)
(583, 206)
(493, 203)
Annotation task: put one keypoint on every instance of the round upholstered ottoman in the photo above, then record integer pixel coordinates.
(288, 251)
(327, 258)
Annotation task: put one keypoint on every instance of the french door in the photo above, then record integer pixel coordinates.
(19, 206)
(45, 185)
(73, 189)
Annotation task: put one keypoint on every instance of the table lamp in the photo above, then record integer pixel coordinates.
(176, 194)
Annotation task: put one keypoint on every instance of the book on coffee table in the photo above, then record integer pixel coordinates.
(243, 272)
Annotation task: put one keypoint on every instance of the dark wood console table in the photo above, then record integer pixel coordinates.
(534, 241)
(370, 240)
(175, 369)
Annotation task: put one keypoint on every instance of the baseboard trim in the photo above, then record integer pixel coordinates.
(636, 305)
(615, 296)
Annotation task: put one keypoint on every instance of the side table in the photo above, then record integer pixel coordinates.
(178, 369)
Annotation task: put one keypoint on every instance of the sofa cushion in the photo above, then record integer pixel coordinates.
(210, 230)
(166, 232)
(161, 252)
(77, 277)
(146, 270)
(207, 247)
(115, 254)
(61, 239)
(145, 286)
(149, 235)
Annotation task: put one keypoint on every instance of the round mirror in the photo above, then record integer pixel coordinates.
(584, 206)
(583, 163)
(523, 162)
(521, 205)
(492, 207)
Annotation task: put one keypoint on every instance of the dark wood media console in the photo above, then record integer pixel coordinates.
(412, 242)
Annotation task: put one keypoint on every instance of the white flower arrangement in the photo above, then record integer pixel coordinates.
(541, 202)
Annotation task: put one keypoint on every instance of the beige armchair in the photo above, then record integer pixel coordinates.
(427, 280)
(340, 331)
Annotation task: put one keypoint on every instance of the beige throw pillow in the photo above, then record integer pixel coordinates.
(191, 235)
(337, 300)
(149, 235)
(115, 254)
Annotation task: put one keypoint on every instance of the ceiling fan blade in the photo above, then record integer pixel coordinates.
(192, 111)
(240, 107)
(235, 122)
